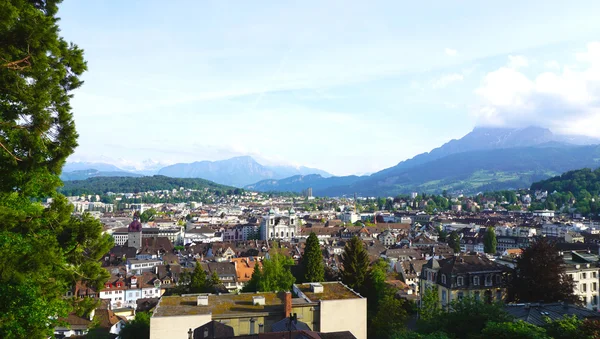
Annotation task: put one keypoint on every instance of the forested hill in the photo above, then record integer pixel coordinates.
(579, 189)
(101, 185)
(578, 182)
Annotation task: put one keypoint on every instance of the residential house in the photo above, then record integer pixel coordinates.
(583, 268)
(465, 276)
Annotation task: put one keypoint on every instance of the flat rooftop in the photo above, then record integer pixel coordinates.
(331, 291)
(224, 304)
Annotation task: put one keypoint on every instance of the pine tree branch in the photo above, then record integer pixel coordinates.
(9, 152)
(17, 65)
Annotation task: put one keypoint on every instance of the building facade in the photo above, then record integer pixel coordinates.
(279, 226)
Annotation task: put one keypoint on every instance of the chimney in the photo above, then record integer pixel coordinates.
(288, 304)
(202, 300)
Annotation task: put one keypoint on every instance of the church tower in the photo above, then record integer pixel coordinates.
(134, 238)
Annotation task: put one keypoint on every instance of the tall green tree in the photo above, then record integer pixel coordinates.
(540, 275)
(355, 262)
(253, 285)
(138, 328)
(198, 280)
(513, 329)
(45, 250)
(312, 260)
(489, 241)
(390, 318)
(454, 241)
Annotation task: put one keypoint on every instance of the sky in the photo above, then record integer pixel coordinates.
(350, 87)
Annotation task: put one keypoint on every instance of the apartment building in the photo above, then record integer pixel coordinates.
(583, 268)
(324, 307)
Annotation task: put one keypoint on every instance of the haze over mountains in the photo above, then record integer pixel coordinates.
(487, 158)
(237, 171)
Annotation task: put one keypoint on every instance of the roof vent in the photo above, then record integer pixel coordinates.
(258, 300)
(202, 300)
(316, 288)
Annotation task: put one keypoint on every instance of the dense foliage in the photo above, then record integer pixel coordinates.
(44, 249)
(312, 264)
(101, 185)
(274, 276)
(355, 263)
(138, 328)
(489, 241)
(540, 275)
(578, 189)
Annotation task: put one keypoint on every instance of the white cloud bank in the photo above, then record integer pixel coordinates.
(566, 100)
(451, 52)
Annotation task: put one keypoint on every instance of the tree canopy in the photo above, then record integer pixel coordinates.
(489, 241)
(312, 260)
(45, 249)
(540, 275)
(275, 275)
(355, 261)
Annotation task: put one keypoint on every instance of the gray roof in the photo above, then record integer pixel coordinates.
(285, 325)
(536, 312)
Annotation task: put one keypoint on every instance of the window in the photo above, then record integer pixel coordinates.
(594, 287)
(443, 278)
(594, 275)
(476, 280)
(498, 279)
(583, 275)
(488, 280)
(584, 287)
(595, 300)
(459, 281)
(444, 295)
(460, 295)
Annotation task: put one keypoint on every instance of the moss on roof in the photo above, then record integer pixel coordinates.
(230, 304)
(331, 291)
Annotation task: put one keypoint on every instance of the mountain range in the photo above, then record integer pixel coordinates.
(485, 159)
(237, 171)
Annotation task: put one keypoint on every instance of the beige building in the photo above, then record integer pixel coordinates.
(324, 307)
(463, 276)
(583, 268)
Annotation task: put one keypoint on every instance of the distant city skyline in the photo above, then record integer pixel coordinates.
(340, 86)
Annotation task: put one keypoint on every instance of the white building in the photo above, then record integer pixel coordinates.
(582, 268)
(279, 226)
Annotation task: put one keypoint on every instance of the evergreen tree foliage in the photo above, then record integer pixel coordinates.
(312, 260)
(355, 261)
(253, 284)
(540, 275)
(138, 328)
(44, 249)
(513, 329)
(389, 319)
(199, 282)
(454, 241)
(489, 241)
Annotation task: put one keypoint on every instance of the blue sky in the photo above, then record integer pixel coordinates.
(345, 86)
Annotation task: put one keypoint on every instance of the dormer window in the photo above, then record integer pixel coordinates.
(443, 278)
(498, 279)
(460, 281)
(475, 280)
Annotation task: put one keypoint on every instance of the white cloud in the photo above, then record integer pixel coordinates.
(566, 101)
(447, 79)
(451, 52)
(552, 64)
(517, 61)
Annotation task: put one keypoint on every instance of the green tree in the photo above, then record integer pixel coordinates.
(514, 329)
(355, 264)
(465, 318)
(540, 275)
(148, 215)
(198, 280)
(567, 327)
(44, 249)
(138, 328)
(275, 275)
(430, 304)
(214, 281)
(312, 260)
(390, 318)
(489, 241)
(454, 241)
